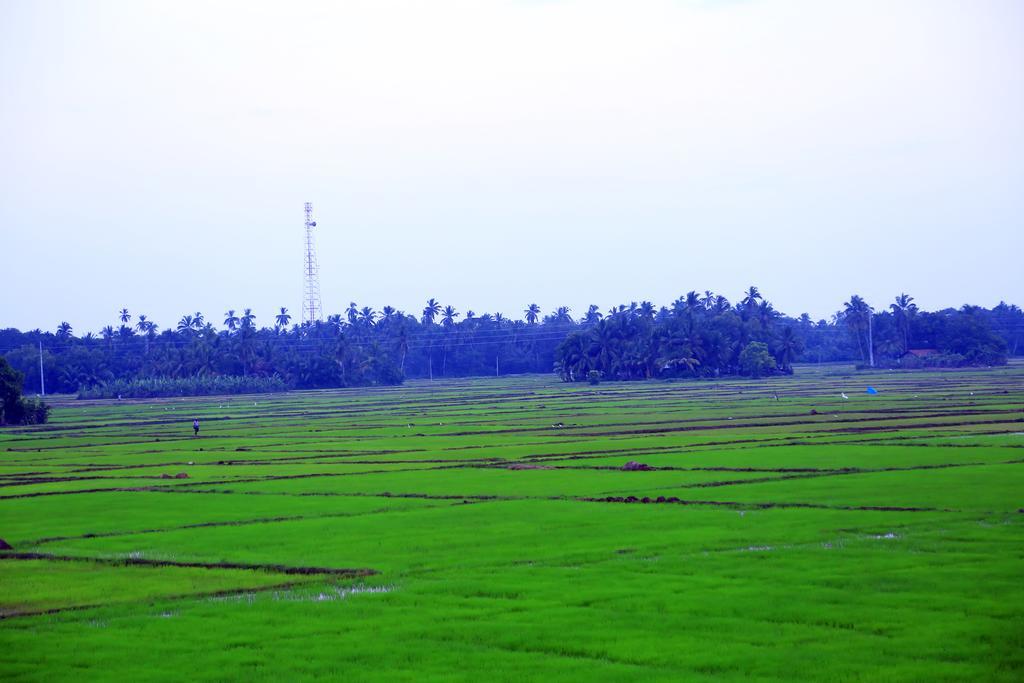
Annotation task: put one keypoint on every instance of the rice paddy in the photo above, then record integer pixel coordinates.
(769, 530)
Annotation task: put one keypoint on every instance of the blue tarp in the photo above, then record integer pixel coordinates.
(871, 390)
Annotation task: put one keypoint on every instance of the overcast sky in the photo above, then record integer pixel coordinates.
(156, 155)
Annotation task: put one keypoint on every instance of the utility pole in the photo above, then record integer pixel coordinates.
(312, 309)
(42, 384)
(871, 339)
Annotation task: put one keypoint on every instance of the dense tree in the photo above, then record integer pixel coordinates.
(14, 408)
(699, 335)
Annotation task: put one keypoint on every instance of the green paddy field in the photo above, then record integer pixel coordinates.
(485, 530)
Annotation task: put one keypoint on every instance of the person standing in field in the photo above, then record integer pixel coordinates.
(195, 427)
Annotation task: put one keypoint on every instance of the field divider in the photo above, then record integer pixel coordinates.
(223, 593)
(738, 505)
(352, 572)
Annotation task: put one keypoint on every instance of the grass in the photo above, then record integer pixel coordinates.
(380, 534)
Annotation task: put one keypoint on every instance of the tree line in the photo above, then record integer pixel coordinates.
(699, 334)
(707, 336)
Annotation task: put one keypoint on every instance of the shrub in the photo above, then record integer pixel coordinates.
(755, 360)
(159, 387)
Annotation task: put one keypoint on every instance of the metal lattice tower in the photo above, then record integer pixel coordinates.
(312, 309)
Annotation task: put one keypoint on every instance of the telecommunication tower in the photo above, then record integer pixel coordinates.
(312, 309)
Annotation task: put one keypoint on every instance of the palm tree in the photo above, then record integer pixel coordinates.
(532, 313)
(604, 340)
(125, 316)
(857, 314)
(749, 302)
(146, 327)
(788, 348)
(108, 334)
(248, 319)
(562, 315)
(903, 310)
(430, 311)
(185, 324)
(593, 314)
(448, 316)
(64, 331)
(387, 312)
(766, 314)
(367, 316)
(572, 361)
(197, 321)
(282, 317)
(352, 313)
(231, 320)
(402, 340)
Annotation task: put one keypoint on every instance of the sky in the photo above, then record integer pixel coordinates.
(157, 155)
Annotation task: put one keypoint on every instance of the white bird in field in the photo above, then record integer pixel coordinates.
(845, 396)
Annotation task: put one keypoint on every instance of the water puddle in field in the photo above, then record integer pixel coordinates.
(247, 598)
(330, 595)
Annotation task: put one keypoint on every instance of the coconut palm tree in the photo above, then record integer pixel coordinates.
(448, 316)
(197, 321)
(64, 331)
(857, 315)
(430, 311)
(248, 321)
(282, 318)
(125, 316)
(108, 335)
(766, 314)
(748, 304)
(563, 315)
(787, 349)
(532, 313)
(367, 316)
(352, 313)
(231, 320)
(903, 309)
